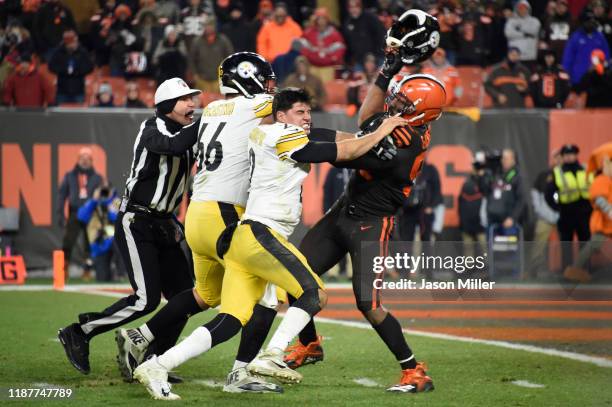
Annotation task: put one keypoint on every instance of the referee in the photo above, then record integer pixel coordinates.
(147, 234)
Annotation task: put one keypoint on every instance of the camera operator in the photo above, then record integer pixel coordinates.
(502, 186)
(99, 214)
(470, 205)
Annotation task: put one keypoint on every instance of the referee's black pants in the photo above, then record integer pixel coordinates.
(149, 247)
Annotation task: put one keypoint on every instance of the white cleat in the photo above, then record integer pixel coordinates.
(270, 363)
(155, 378)
(131, 346)
(241, 381)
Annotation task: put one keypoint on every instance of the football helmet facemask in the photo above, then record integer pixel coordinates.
(246, 73)
(415, 34)
(418, 98)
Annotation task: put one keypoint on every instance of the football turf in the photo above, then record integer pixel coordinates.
(464, 374)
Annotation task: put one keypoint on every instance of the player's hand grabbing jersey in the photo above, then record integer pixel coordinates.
(223, 162)
(276, 179)
(379, 187)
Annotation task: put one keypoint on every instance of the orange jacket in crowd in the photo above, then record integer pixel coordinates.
(600, 221)
(274, 40)
(449, 75)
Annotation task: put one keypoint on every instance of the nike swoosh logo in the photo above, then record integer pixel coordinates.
(365, 228)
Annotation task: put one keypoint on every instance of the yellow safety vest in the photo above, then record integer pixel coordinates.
(572, 187)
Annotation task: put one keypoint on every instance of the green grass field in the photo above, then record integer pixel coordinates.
(464, 374)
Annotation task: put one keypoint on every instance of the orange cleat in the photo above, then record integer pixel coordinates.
(299, 355)
(414, 381)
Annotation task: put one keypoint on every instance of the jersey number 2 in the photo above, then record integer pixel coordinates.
(211, 162)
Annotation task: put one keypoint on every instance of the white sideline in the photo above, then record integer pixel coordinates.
(595, 360)
(528, 384)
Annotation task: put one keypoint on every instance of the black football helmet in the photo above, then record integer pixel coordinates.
(416, 34)
(246, 73)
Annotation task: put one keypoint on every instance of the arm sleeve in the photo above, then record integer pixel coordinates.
(368, 161)
(321, 134)
(316, 152)
(156, 141)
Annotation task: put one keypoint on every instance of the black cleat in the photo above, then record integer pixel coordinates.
(174, 378)
(76, 345)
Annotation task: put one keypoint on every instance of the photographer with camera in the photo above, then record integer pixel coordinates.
(99, 214)
(470, 204)
(502, 186)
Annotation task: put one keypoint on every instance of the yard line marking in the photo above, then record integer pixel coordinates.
(208, 382)
(364, 381)
(54, 340)
(528, 384)
(598, 361)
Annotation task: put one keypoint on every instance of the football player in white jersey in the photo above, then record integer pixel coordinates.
(220, 191)
(256, 250)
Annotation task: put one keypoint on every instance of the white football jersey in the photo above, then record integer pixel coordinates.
(223, 160)
(275, 195)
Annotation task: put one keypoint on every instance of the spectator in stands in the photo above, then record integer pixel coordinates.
(387, 11)
(471, 43)
(168, 11)
(206, 54)
(557, 27)
(493, 23)
(82, 11)
(276, 35)
(192, 19)
(577, 54)
(78, 185)
(448, 17)
(241, 33)
(507, 83)
(104, 95)
(323, 46)
(71, 63)
(98, 215)
(26, 87)
(549, 85)
(302, 78)
(15, 43)
(132, 96)
(522, 31)
(149, 32)
(358, 87)
(363, 33)
(439, 67)
(100, 24)
(546, 219)
(122, 40)
(597, 82)
(284, 64)
(50, 23)
(170, 57)
(604, 21)
(264, 13)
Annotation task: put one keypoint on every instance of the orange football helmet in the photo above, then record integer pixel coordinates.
(418, 98)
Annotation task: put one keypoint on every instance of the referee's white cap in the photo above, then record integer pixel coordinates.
(173, 89)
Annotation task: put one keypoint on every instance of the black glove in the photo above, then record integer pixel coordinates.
(385, 149)
(392, 64)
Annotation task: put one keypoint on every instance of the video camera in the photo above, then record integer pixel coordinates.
(488, 160)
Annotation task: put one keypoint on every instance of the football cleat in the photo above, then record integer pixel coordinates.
(132, 346)
(155, 378)
(270, 363)
(413, 381)
(300, 355)
(76, 345)
(241, 381)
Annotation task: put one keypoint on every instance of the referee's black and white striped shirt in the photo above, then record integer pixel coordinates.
(163, 157)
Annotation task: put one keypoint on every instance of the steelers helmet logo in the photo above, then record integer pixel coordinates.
(246, 69)
(434, 39)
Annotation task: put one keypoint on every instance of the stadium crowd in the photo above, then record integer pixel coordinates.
(110, 53)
